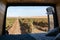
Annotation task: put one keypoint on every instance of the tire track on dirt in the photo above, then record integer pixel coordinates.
(15, 29)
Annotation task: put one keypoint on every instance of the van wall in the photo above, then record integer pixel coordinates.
(2, 11)
(58, 13)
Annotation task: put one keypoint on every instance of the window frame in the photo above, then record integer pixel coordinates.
(30, 4)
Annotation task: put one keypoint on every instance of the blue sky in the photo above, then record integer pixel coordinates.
(17, 11)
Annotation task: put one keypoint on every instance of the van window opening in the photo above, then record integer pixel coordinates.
(28, 19)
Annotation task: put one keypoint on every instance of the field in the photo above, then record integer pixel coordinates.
(9, 22)
(29, 23)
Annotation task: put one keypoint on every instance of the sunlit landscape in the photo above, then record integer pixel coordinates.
(32, 25)
(29, 20)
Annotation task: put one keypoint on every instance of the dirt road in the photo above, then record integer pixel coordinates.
(15, 28)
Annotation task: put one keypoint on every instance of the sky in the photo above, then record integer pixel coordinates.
(24, 11)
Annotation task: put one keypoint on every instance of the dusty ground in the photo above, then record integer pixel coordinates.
(15, 28)
(35, 30)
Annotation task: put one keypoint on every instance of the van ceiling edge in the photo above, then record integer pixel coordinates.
(29, 1)
(3, 1)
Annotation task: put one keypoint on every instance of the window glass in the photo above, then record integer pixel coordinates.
(27, 19)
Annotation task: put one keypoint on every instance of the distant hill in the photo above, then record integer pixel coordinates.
(29, 17)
